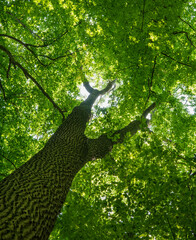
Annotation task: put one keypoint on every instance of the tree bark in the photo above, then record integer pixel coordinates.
(32, 196)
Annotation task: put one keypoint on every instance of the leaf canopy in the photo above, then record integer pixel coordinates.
(144, 189)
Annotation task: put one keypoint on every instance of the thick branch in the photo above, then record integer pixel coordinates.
(148, 110)
(27, 75)
(107, 88)
(99, 147)
(94, 93)
(88, 87)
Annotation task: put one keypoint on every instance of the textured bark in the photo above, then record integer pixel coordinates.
(32, 196)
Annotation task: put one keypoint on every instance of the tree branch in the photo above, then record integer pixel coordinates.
(108, 87)
(148, 110)
(9, 161)
(150, 82)
(88, 87)
(24, 45)
(27, 75)
(186, 23)
(144, 2)
(33, 53)
(185, 64)
(3, 91)
(94, 93)
(187, 36)
(99, 147)
(101, 92)
(19, 21)
(9, 67)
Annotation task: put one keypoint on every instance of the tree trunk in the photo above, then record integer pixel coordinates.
(33, 195)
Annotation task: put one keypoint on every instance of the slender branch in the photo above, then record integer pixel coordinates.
(150, 82)
(152, 75)
(185, 64)
(25, 45)
(32, 45)
(19, 21)
(33, 53)
(170, 227)
(144, 3)
(8, 160)
(50, 43)
(27, 75)
(3, 91)
(17, 40)
(186, 23)
(187, 36)
(9, 67)
(54, 59)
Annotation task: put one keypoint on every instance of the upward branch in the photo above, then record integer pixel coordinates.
(148, 110)
(99, 147)
(94, 93)
(102, 92)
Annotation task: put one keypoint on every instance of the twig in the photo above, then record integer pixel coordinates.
(8, 160)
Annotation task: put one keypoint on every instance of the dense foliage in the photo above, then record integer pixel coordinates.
(144, 189)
